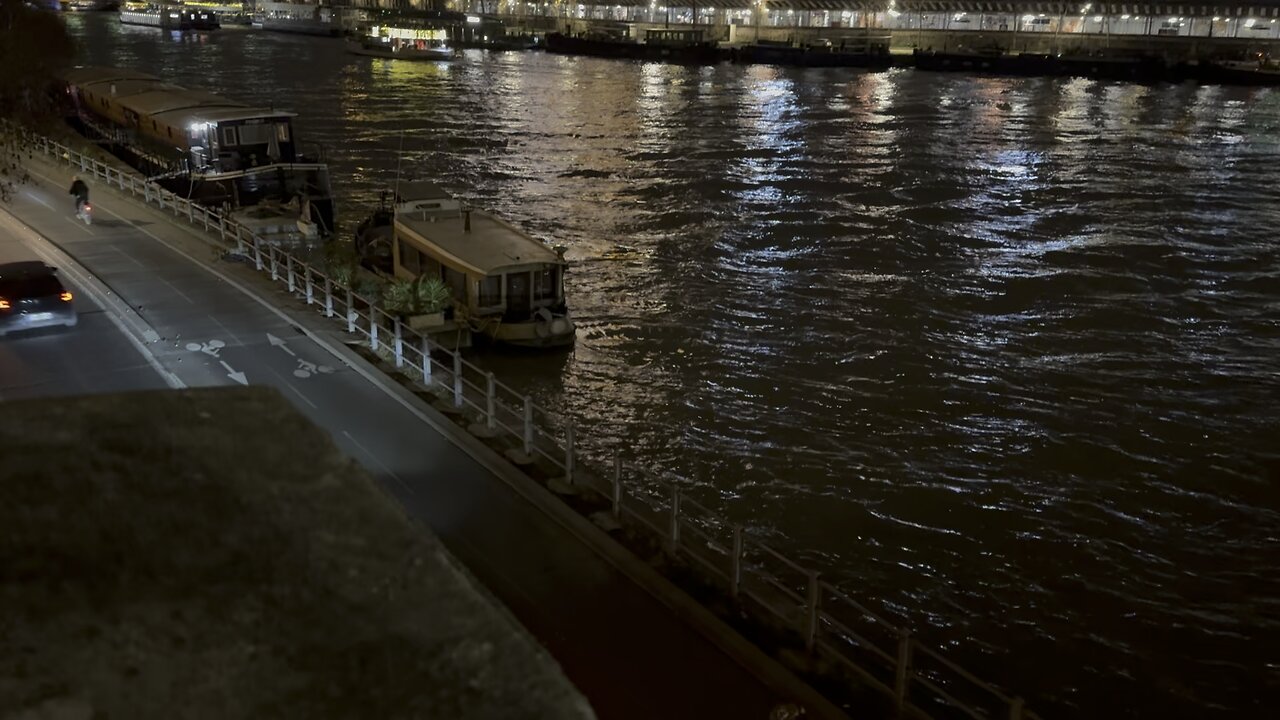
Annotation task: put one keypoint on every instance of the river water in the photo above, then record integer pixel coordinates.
(999, 356)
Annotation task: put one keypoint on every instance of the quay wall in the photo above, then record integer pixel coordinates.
(903, 40)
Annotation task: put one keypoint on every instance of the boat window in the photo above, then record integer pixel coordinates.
(490, 291)
(282, 132)
(410, 258)
(456, 281)
(254, 134)
(229, 136)
(544, 284)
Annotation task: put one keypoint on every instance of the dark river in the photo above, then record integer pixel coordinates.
(999, 356)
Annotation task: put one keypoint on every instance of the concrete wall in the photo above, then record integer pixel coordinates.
(1174, 48)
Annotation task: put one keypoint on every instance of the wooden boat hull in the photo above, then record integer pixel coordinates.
(556, 333)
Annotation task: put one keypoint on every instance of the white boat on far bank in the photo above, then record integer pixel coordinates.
(403, 43)
(301, 18)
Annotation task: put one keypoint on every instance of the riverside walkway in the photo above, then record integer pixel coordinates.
(205, 321)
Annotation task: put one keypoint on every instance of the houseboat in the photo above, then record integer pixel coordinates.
(507, 286)
(680, 46)
(218, 152)
(863, 49)
(168, 16)
(304, 18)
(228, 12)
(1259, 70)
(403, 43)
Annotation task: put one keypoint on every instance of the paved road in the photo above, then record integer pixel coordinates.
(92, 357)
(627, 653)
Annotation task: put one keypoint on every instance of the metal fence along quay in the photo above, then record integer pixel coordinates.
(833, 628)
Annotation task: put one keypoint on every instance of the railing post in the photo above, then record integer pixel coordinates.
(1016, 706)
(275, 264)
(399, 344)
(674, 534)
(308, 284)
(903, 672)
(426, 362)
(568, 454)
(457, 378)
(528, 426)
(373, 327)
(491, 402)
(190, 213)
(205, 214)
(288, 265)
(351, 312)
(617, 487)
(811, 611)
(328, 297)
(735, 569)
(257, 256)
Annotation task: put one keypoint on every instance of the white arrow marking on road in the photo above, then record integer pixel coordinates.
(277, 342)
(237, 376)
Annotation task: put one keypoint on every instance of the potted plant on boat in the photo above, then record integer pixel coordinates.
(340, 262)
(420, 301)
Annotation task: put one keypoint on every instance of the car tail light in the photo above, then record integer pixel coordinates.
(65, 296)
(4, 304)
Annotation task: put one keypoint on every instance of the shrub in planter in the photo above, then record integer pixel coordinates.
(341, 261)
(418, 297)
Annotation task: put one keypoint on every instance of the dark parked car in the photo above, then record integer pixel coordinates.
(31, 296)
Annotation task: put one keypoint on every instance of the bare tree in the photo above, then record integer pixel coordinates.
(34, 49)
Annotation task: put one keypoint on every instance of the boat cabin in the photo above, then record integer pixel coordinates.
(231, 139)
(417, 37)
(677, 38)
(494, 269)
(421, 198)
(213, 134)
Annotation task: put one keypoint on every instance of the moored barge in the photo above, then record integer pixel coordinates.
(168, 16)
(218, 152)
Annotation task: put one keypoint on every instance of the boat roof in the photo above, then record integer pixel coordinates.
(491, 246)
(150, 96)
(184, 117)
(420, 190)
(162, 101)
(90, 74)
(125, 88)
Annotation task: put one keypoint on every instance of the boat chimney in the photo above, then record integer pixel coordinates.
(466, 221)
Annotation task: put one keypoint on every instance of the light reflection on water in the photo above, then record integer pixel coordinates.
(999, 356)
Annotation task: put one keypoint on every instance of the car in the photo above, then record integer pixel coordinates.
(32, 296)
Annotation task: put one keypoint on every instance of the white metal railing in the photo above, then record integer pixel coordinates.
(780, 593)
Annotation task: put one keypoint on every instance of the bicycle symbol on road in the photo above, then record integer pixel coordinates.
(307, 369)
(210, 348)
